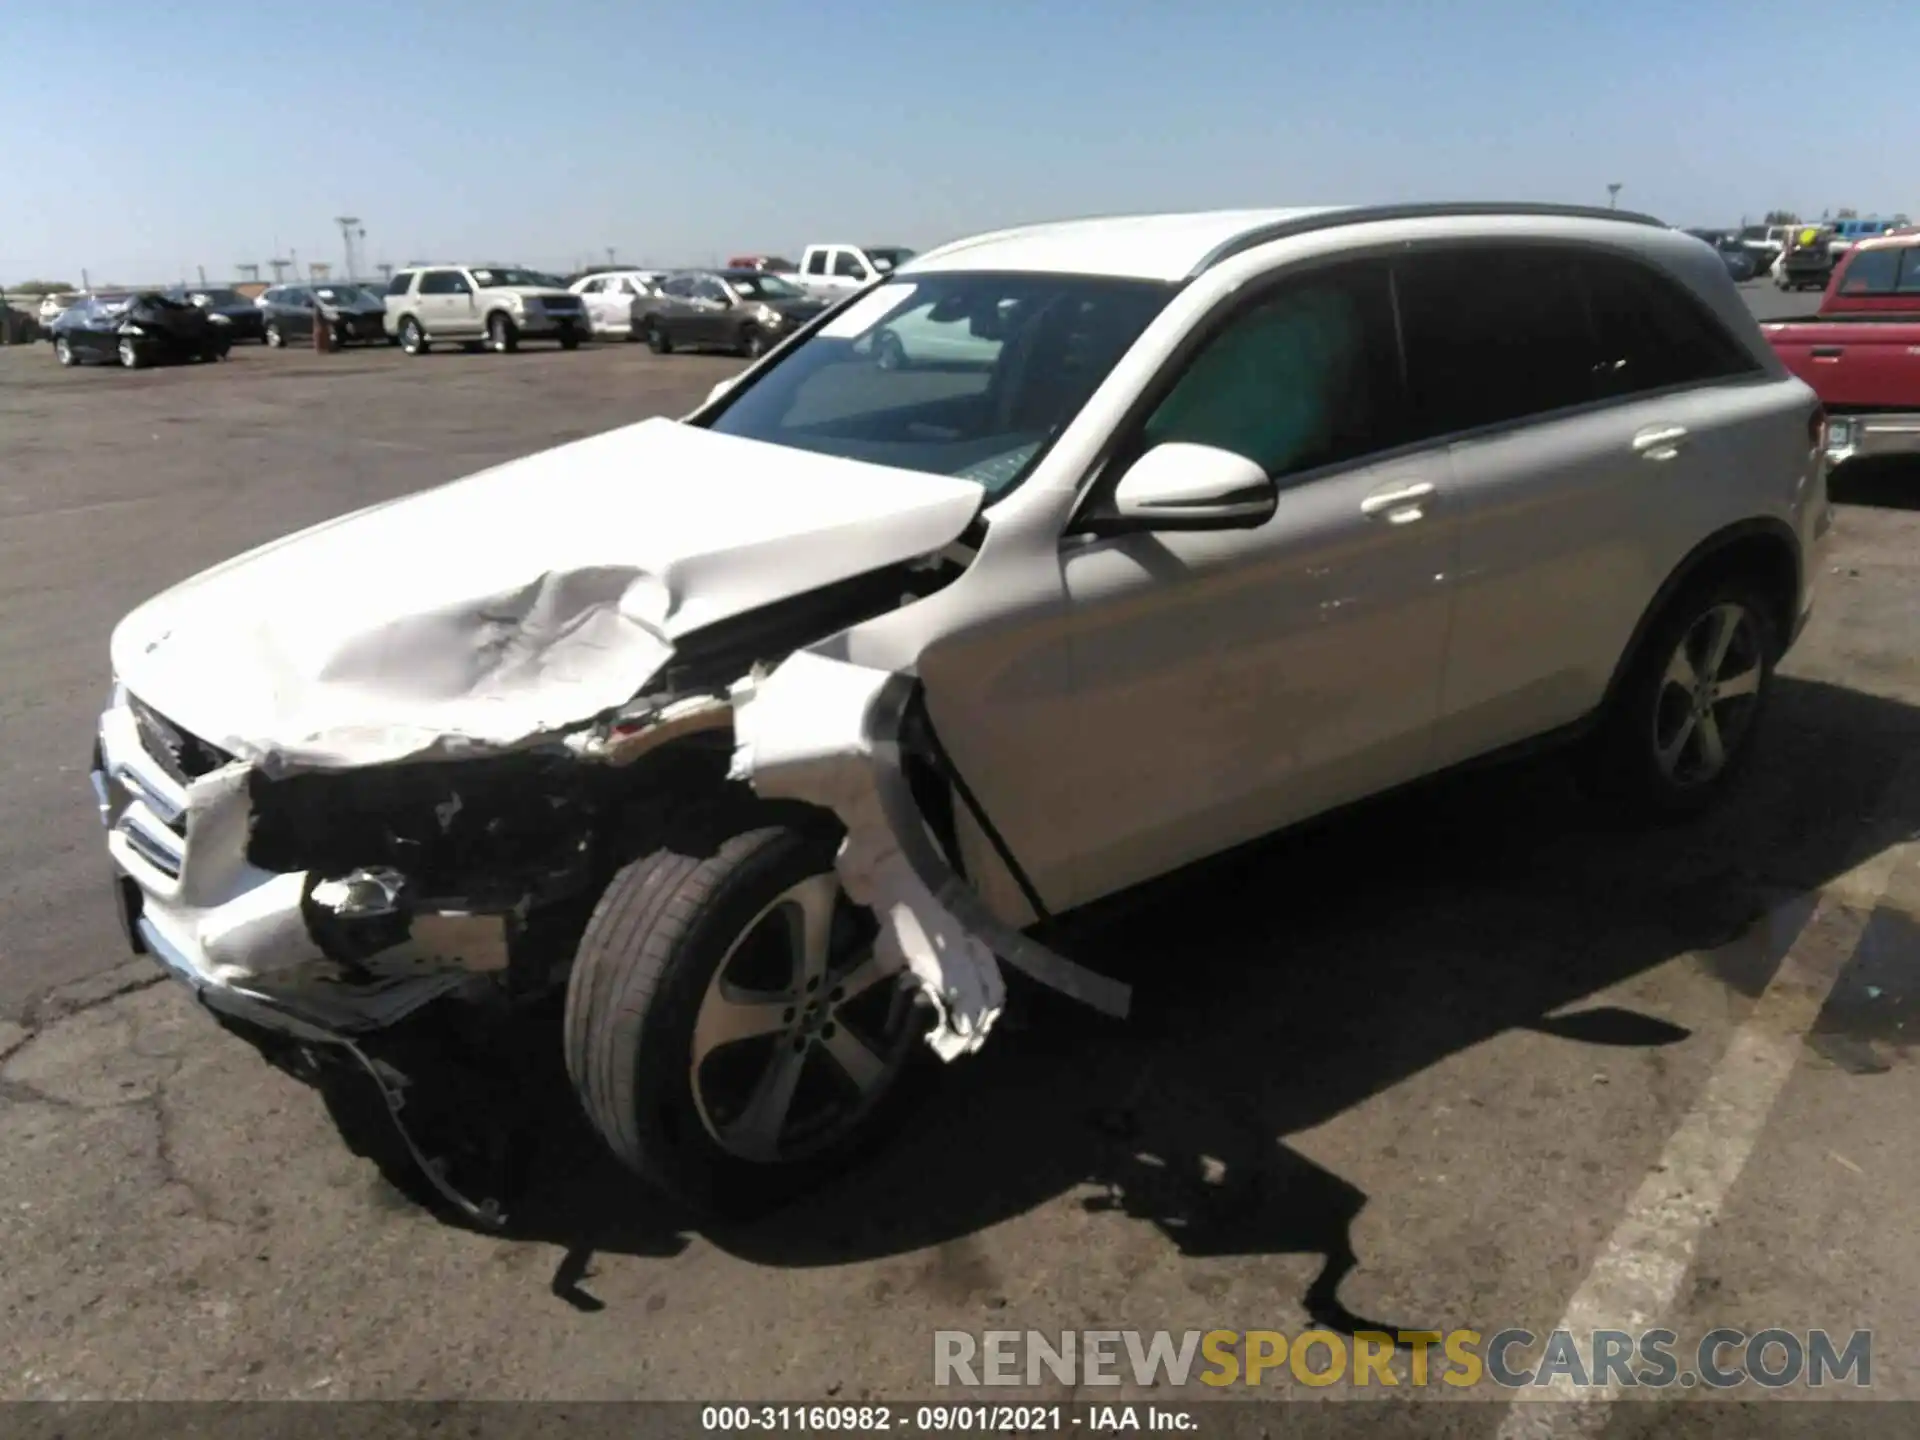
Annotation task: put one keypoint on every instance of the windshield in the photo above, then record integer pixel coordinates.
(951, 374)
(766, 287)
(512, 275)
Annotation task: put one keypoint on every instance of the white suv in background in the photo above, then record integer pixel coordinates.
(769, 733)
(495, 305)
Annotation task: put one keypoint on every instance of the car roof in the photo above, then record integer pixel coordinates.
(1900, 239)
(1179, 246)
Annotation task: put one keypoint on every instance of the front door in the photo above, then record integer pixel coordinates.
(1231, 682)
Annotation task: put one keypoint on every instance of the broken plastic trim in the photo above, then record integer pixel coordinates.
(829, 733)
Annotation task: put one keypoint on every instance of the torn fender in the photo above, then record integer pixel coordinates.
(828, 732)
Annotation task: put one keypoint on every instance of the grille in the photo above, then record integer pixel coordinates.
(561, 302)
(184, 757)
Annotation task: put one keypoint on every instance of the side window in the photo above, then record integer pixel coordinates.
(1309, 376)
(270, 296)
(1493, 333)
(438, 282)
(1871, 272)
(847, 266)
(816, 262)
(593, 287)
(707, 288)
(1909, 281)
(458, 284)
(680, 287)
(400, 283)
(1652, 332)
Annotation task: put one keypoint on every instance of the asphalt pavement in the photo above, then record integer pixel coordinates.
(1470, 1058)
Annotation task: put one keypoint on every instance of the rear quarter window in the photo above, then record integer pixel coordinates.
(1653, 332)
(400, 284)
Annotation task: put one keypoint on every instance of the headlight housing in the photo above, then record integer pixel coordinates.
(132, 329)
(517, 304)
(220, 319)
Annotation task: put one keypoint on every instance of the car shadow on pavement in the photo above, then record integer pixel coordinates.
(1886, 482)
(1278, 987)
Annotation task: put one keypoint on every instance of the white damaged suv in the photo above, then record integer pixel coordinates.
(770, 734)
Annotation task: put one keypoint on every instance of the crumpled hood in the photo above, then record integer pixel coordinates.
(526, 599)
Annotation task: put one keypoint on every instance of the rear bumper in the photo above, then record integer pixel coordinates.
(1860, 437)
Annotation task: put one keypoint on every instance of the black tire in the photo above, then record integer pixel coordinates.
(569, 340)
(131, 356)
(63, 351)
(1626, 765)
(888, 352)
(753, 342)
(657, 940)
(658, 341)
(503, 336)
(276, 337)
(413, 340)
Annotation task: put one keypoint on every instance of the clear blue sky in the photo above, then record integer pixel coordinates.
(146, 138)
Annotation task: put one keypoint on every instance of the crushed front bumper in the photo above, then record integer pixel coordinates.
(235, 935)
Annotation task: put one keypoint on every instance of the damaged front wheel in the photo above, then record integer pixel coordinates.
(729, 1030)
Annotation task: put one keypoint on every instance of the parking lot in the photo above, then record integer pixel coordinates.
(1469, 1058)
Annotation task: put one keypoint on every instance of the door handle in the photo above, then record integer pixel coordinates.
(1827, 352)
(1399, 505)
(1661, 443)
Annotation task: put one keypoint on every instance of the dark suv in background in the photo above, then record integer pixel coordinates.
(290, 312)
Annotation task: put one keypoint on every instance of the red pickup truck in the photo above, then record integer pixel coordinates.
(1861, 351)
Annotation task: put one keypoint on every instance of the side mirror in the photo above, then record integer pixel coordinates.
(1180, 486)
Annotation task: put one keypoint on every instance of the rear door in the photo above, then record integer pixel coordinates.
(1580, 391)
(709, 319)
(814, 268)
(674, 307)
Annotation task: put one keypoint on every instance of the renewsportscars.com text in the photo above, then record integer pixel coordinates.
(1512, 1359)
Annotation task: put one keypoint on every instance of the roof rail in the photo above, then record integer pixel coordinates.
(1369, 214)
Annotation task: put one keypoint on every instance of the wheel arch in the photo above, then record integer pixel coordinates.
(1762, 547)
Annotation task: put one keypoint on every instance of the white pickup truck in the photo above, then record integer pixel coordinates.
(828, 272)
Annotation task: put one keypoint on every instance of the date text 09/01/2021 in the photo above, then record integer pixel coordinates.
(937, 1419)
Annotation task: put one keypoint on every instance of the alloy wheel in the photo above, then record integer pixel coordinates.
(799, 1034)
(1707, 694)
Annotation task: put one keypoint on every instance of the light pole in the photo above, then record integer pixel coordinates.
(1613, 196)
(347, 224)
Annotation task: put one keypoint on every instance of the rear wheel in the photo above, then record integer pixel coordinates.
(413, 340)
(888, 352)
(1682, 725)
(129, 353)
(503, 337)
(63, 351)
(753, 342)
(728, 1029)
(658, 340)
(276, 337)
(569, 340)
